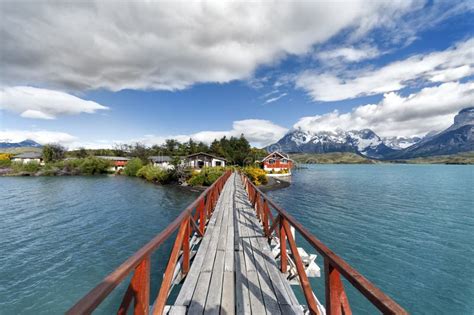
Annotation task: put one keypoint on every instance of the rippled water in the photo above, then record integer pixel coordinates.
(60, 236)
(407, 228)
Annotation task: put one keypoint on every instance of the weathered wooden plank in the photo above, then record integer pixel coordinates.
(212, 249)
(255, 293)
(176, 310)
(242, 299)
(228, 295)
(291, 309)
(213, 300)
(200, 294)
(189, 285)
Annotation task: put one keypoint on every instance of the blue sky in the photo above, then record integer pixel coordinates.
(97, 75)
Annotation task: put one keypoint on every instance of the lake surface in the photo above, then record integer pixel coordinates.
(407, 228)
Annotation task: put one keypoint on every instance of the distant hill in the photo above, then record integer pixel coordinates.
(23, 144)
(20, 147)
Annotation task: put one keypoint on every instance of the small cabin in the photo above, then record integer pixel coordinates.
(162, 161)
(199, 160)
(276, 162)
(28, 157)
(118, 162)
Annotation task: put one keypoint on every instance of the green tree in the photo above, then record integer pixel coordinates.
(132, 167)
(53, 152)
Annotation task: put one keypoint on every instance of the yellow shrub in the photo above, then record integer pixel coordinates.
(5, 156)
(256, 175)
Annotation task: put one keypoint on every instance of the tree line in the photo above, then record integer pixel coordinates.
(236, 150)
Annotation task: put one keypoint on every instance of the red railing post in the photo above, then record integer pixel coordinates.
(185, 247)
(305, 285)
(202, 215)
(283, 258)
(336, 298)
(138, 290)
(168, 276)
(265, 217)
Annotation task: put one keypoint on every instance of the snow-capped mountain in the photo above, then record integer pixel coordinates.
(365, 142)
(457, 138)
(399, 143)
(26, 143)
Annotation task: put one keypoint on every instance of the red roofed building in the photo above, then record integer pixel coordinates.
(276, 162)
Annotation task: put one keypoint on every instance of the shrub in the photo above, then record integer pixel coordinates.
(5, 163)
(132, 167)
(256, 175)
(5, 156)
(53, 152)
(93, 166)
(206, 177)
(31, 167)
(154, 174)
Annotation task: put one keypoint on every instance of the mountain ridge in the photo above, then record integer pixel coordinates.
(457, 138)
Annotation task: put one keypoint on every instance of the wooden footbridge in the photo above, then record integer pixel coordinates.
(234, 253)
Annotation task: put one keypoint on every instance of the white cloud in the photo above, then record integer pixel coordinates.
(430, 109)
(349, 54)
(172, 45)
(276, 98)
(41, 136)
(37, 103)
(452, 64)
(257, 131)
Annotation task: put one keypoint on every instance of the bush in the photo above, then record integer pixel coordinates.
(93, 166)
(132, 167)
(206, 177)
(31, 167)
(154, 174)
(53, 152)
(256, 175)
(5, 163)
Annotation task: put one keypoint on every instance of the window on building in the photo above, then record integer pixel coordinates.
(218, 163)
(200, 164)
(271, 161)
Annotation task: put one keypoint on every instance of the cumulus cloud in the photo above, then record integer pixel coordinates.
(432, 108)
(149, 45)
(451, 64)
(31, 102)
(42, 136)
(257, 131)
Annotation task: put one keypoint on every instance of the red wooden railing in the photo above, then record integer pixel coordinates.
(195, 216)
(334, 266)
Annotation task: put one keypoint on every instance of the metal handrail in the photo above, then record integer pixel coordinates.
(334, 266)
(139, 287)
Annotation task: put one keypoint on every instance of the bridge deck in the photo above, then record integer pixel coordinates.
(234, 271)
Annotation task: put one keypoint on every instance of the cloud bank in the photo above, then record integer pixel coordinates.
(257, 131)
(432, 108)
(147, 45)
(41, 136)
(37, 103)
(452, 64)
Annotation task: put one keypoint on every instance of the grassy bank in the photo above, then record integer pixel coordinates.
(331, 158)
(352, 158)
(85, 166)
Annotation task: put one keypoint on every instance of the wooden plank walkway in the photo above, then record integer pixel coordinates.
(233, 271)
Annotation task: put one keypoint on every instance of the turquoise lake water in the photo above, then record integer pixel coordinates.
(407, 228)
